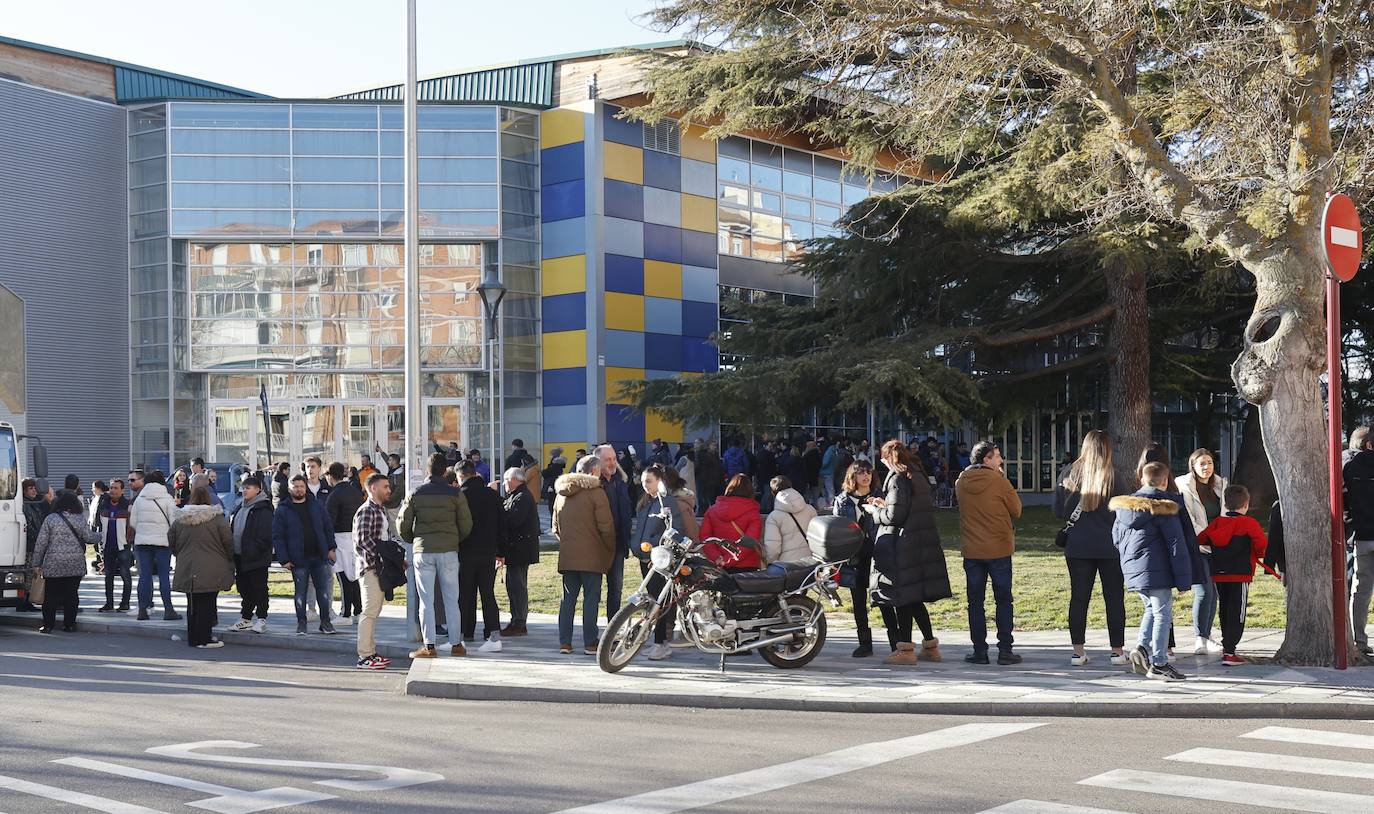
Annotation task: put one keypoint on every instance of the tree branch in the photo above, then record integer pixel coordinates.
(1044, 332)
(1087, 360)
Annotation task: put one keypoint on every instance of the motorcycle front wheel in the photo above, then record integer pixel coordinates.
(801, 651)
(626, 634)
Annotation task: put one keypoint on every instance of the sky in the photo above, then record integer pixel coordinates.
(322, 48)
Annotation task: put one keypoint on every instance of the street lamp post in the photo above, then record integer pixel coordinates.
(492, 291)
(414, 453)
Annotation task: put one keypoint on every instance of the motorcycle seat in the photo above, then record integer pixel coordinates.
(796, 574)
(759, 582)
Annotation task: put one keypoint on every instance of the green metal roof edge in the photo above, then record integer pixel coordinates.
(130, 66)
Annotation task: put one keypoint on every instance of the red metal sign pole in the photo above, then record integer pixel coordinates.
(1333, 401)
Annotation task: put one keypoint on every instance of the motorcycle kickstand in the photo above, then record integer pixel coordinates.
(722, 664)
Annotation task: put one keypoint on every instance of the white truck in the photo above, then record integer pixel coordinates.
(13, 571)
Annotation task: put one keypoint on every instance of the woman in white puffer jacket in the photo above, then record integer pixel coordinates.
(149, 521)
(784, 533)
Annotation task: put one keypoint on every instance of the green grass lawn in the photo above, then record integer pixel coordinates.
(1040, 584)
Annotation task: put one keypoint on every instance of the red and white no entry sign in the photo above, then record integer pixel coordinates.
(1342, 237)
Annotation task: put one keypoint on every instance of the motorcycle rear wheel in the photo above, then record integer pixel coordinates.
(798, 654)
(626, 634)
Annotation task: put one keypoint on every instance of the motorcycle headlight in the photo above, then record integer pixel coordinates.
(661, 558)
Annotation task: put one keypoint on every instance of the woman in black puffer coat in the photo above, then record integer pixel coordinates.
(908, 562)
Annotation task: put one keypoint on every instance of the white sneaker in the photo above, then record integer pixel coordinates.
(1199, 646)
(259, 625)
(492, 645)
(343, 621)
(1120, 659)
(312, 615)
(1078, 661)
(242, 625)
(444, 647)
(660, 652)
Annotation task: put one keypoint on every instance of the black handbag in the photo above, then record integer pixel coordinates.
(1062, 538)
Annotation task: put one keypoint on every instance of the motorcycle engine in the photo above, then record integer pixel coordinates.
(711, 623)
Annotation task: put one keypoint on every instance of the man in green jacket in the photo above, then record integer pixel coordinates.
(435, 520)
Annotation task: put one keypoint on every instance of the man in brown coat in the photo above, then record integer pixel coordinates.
(988, 504)
(586, 545)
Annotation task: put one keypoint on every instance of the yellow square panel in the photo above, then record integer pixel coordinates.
(564, 275)
(569, 452)
(624, 312)
(698, 213)
(662, 279)
(624, 163)
(656, 426)
(617, 377)
(565, 349)
(560, 126)
(694, 144)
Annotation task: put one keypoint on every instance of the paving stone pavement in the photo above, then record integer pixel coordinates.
(530, 668)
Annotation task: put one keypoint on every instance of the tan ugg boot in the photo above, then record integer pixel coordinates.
(930, 649)
(904, 654)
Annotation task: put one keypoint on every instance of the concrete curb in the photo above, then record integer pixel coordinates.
(418, 683)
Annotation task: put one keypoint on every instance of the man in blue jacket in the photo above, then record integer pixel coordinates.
(304, 542)
(1155, 560)
(622, 514)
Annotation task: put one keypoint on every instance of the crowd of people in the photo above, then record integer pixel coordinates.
(361, 527)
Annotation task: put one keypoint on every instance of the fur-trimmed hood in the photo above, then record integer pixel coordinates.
(574, 482)
(1141, 502)
(194, 515)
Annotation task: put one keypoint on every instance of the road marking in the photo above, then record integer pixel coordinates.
(27, 656)
(1276, 763)
(1311, 737)
(74, 797)
(394, 777)
(265, 680)
(227, 800)
(1230, 791)
(1042, 807)
(134, 667)
(806, 770)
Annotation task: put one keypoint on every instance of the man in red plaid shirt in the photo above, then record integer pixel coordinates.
(371, 526)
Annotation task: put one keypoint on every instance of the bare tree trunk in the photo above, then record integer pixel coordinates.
(1128, 368)
(1278, 371)
(1252, 464)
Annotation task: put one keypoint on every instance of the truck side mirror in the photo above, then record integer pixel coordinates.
(40, 461)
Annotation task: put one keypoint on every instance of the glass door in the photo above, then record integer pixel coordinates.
(279, 444)
(319, 433)
(232, 440)
(359, 433)
(393, 423)
(445, 424)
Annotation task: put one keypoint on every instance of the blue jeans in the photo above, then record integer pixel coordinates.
(588, 584)
(1204, 601)
(154, 558)
(615, 585)
(1155, 624)
(321, 573)
(976, 575)
(442, 566)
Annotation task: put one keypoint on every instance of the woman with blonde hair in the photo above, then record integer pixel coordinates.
(1081, 499)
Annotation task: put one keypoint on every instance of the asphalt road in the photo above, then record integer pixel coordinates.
(126, 721)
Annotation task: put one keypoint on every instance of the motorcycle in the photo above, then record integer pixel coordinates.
(728, 613)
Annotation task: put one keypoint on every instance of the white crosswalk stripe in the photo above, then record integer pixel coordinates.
(1260, 795)
(75, 798)
(1311, 737)
(1276, 763)
(1042, 807)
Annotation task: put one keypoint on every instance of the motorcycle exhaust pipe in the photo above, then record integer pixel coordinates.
(769, 642)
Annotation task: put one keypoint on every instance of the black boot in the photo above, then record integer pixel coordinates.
(865, 647)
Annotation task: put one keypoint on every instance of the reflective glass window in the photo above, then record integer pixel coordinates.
(734, 220)
(152, 171)
(231, 196)
(827, 214)
(393, 143)
(393, 170)
(796, 161)
(853, 194)
(335, 142)
(730, 169)
(519, 148)
(520, 200)
(734, 147)
(519, 252)
(147, 252)
(794, 183)
(312, 222)
(231, 168)
(797, 229)
(212, 114)
(336, 196)
(446, 144)
(149, 225)
(767, 202)
(767, 177)
(762, 224)
(336, 169)
(393, 196)
(456, 117)
(231, 142)
(733, 196)
(433, 196)
(342, 116)
(393, 117)
(458, 170)
(141, 121)
(768, 154)
(146, 145)
(518, 121)
(513, 172)
(230, 221)
(147, 199)
(767, 248)
(519, 226)
(827, 190)
(456, 224)
(828, 168)
(794, 208)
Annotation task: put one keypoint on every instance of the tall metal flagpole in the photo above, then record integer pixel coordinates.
(415, 418)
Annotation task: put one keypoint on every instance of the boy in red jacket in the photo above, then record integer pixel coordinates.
(1237, 544)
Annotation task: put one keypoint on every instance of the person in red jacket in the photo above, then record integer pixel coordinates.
(1237, 544)
(733, 517)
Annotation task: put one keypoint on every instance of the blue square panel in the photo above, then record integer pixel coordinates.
(624, 348)
(623, 426)
(563, 238)
(620, 130)
(700, 284)
(566, 423)
(663, 315)
(624, 274)
(565, 163)
(662, 206)
(624, 200)
(663, 351)
(565, 386)
(698, 248)
(623, 236)
(698, 318)
(699, 178)
(665, 243)
(699, 356)
(662, 170)
(565, 312)
(563, 200)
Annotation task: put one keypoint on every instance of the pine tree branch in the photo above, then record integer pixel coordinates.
(1043, 332)
(1087, 360)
